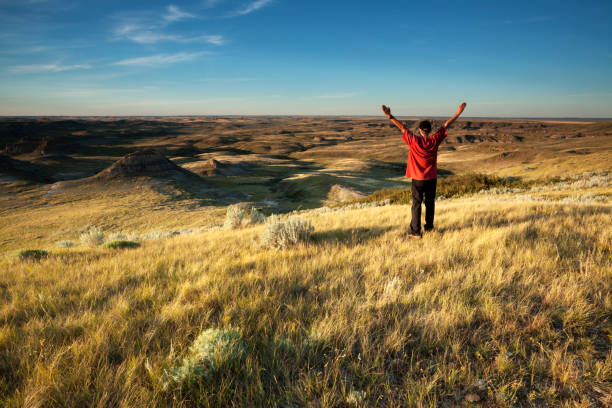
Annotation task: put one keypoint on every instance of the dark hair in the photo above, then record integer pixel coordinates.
(425, 126)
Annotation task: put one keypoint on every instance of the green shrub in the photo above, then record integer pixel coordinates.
(281, 233)
(34, 254)
(121, 244)
(451, 186)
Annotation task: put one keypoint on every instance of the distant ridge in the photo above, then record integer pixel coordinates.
(373, 116)
(147, 162)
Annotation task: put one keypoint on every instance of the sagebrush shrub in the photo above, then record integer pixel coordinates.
(157, 235)
(239, 214)
(116, 236)
(212, 351)
(281, 233)
(234, 215)
(64, 244)
(256, 216)
(356, 398)
(93, 236)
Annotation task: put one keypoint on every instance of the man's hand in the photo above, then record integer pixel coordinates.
(456, 115)
(461, 108)
(396, 122)
(387, 111)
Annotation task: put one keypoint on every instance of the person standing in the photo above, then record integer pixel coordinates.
(422, 167)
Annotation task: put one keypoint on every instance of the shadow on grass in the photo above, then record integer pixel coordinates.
(349, 236)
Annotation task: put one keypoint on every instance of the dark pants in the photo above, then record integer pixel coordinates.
(422, 188)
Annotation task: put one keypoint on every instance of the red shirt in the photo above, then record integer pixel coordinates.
(423, 155)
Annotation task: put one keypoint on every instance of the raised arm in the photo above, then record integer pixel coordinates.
(396, 122)
(455, 116)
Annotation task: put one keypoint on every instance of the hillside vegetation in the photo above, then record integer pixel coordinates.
(507, 303)
(134, 269)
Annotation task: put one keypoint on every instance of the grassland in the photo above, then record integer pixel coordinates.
(508, 303)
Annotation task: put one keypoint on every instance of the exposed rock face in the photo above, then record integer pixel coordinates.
(342, 194)
(140, 163)
(214, 164)
(318, 139)
(214, 167)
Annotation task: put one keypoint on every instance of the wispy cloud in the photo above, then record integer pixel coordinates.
(173, 14)
(530, 20)
(251, 7)
(39, 68)
(591, 94)
(339, 95)
(36, 49)
(145, 28)
(211, 3)
(227, 79)
(150, 35)
(104, 91)
(160, 59)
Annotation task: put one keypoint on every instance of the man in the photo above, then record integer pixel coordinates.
(423, 167)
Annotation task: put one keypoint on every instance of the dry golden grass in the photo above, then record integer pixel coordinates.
(43, 218)
(508, 301)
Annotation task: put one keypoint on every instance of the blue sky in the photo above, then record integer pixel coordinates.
(521, 58)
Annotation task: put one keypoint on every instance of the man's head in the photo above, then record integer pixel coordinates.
(425, 127)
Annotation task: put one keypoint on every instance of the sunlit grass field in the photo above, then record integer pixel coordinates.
(507, 303)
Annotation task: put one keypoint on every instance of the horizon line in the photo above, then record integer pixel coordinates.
(566, 118)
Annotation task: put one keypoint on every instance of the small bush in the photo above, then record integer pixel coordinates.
(356, 398)
(65, 244)
(256, 216)
(160, 234)
(234, 215)
(121, 244)
(93, 236)
(282, 233)
(241, 214)
(214, 350)
(116, 236)
(35, 254)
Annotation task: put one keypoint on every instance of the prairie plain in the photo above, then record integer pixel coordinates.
(507, 303)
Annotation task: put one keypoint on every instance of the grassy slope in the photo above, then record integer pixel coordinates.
(516, 294)
(42, 217)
